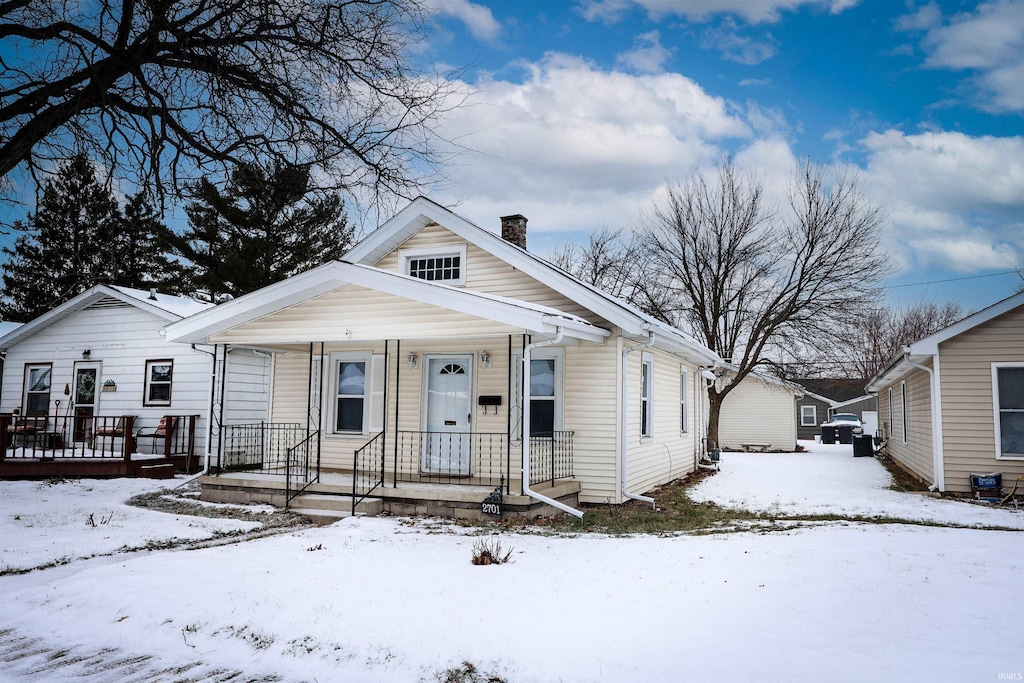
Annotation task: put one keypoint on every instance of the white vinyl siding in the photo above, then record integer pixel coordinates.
(913, 452)
(757, 411)
(808, 416)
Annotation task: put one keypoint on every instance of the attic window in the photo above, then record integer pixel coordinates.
(447, 266)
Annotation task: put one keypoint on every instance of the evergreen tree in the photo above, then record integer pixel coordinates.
(260, 229)
(66, 246)
(79, 237)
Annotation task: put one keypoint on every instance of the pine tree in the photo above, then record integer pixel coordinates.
(79, 237)
(65, 246)
(262, 228)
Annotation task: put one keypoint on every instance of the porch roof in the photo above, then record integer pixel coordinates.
(530, 317)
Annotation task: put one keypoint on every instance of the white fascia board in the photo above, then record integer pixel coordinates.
(898, 368)
(422, 211)
(865, 397)
(929, 346)
(823, 399)
(78, 303)
(335, 275)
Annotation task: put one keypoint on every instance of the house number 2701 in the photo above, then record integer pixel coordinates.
(491, 508)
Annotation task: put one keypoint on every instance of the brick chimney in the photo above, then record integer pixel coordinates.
(513, 229)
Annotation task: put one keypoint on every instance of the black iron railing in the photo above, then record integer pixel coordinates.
(470, 458)
(551, 457)
(257, 446)
(367, 469)
(299, 471)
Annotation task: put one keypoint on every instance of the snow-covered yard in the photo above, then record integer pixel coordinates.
(827, 479)
(387, 600)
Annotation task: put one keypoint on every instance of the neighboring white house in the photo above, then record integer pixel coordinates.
(952, 403)
(102, 355)
(409, 355)
(759, 413)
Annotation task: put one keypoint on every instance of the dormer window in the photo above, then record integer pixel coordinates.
(444, 265)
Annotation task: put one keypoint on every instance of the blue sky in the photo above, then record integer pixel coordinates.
(580, 112)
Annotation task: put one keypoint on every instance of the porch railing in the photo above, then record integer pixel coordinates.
(91, 437)
(298, 473)
(257, 446)
(551, 457)
(367, 469)
(471, 458)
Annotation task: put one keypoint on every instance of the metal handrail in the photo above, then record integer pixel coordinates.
(304, 470)
(372, 452)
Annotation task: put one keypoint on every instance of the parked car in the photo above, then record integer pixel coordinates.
(845, 420)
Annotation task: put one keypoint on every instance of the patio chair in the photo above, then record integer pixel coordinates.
(25, 427)
(116, 431)
(163, 432)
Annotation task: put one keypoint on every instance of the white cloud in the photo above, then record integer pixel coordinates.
(753, 11)
(648, 55)
(477, 18)
(726, 39)
(756, 82)
(953, 200)
(573, 146)
(989, 41)
(926, 17)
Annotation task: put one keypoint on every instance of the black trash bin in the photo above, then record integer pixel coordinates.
(863, 446)
(828, 434)
(846, 434)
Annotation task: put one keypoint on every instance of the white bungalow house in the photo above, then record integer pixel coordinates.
(441, 365)
(88, 385)
(952, 403)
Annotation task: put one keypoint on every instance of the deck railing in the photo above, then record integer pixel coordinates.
(92, 437)
(300, 470)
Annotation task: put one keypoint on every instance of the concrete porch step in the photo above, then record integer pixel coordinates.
(334, 506)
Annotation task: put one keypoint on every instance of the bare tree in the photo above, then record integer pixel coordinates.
(748, 279)
(879, 334)
(168, 91)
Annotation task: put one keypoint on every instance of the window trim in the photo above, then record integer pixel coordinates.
(891, 425)
(147, 383)
(518, 389)
(684, 408)
(26, 374)
(647, 397)
(814, 415)
(336, 358)
(405, 256)
(996, 411)
(903, 402)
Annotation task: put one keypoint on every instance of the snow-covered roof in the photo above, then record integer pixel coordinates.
(180, 306)
(632, 321)
(169, 308)
(337, 274)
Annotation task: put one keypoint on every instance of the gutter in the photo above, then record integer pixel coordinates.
(937, 460)
(623, 410)
(526, 427)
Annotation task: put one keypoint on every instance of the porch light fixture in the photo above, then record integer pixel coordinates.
(412, 361)
(485, 359)
(86, 354)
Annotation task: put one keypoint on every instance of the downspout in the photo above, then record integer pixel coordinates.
(624, 410)
(939, 476)
(209, 415)
(526, 427)
(704, 428)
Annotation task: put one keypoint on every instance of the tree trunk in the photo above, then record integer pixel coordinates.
(715, 398)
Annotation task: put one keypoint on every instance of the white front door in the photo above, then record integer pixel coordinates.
(446, 448)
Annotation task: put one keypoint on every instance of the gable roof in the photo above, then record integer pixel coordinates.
(169, 308)
(852, 401)
(833, 389)
(633, 322)
(926, 347)
(337, 274)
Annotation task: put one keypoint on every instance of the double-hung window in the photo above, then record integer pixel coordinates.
(903, 400)
(351, 394)
(545, 392)
(37, 389)
(1008, 400)
(808, 416)
(159, 376)
(647, 395)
